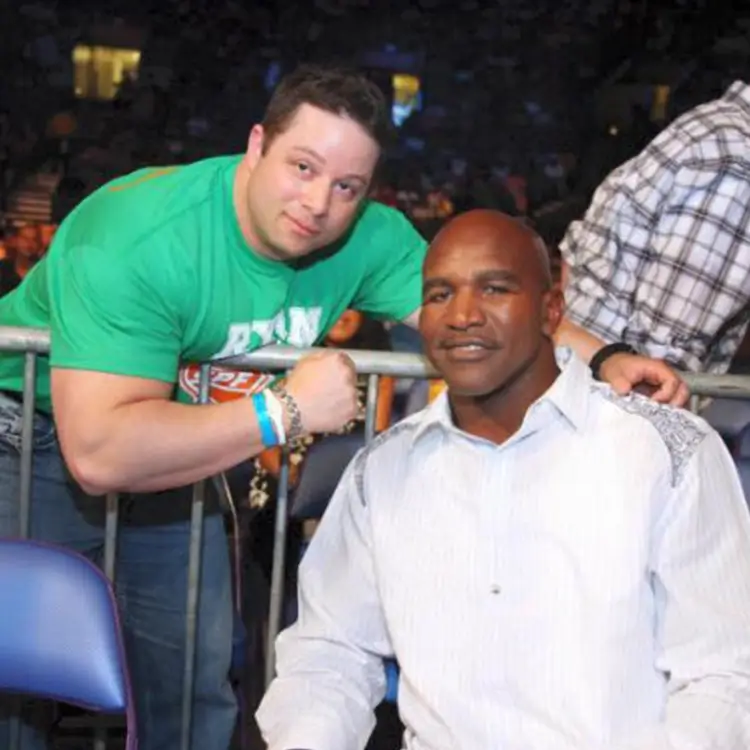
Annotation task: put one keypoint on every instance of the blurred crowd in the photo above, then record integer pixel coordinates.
(20, 249)
(515, 143)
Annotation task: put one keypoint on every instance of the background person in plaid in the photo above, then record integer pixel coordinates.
(661, 260)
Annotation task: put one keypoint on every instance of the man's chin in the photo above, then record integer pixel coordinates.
(463, 389)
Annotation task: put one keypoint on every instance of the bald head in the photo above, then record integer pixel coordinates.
(489, 307)
(513, 242)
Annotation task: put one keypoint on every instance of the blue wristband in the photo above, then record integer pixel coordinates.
(267, 433)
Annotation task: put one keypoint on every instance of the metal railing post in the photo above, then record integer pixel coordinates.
(193, 585)
(278, 567)
(371, 407)
(24, 490)
(112, 513)
(27, 445)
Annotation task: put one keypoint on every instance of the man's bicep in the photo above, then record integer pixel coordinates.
(108, 316)
(79, 391)
(84, 403)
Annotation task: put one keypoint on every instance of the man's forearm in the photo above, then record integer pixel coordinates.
(583, 343)
(155, 445)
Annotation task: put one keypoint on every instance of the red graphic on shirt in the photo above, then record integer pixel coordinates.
(226, 384)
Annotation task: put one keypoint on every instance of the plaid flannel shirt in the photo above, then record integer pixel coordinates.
(661, 259)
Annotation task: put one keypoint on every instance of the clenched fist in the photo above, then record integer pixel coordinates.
(324, 385)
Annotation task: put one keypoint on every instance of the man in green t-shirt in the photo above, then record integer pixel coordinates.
(162, 269)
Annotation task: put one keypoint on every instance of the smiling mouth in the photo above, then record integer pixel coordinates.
(468, 352)
(302, 228)
(468, 344)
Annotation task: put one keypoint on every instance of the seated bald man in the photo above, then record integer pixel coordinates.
(555, 567)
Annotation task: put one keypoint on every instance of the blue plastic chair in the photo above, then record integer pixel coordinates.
(60, 635)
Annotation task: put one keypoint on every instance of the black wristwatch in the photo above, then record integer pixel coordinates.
(605, 353)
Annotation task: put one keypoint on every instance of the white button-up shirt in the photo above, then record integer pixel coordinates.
(583, 586)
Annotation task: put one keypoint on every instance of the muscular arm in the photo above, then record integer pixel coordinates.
(121, 433)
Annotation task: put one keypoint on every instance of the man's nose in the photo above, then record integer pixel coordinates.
(465, 310)
(317, 197)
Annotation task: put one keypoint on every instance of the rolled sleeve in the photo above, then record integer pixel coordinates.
(660, 258)
(606, 251)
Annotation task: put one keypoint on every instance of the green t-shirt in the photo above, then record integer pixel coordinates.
(151, 273)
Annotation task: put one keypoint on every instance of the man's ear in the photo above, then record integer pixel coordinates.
(255, 145)
(553, 310)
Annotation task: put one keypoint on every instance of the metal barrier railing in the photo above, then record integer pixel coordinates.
(35, 342)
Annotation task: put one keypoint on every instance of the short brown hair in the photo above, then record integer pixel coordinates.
(338, 90)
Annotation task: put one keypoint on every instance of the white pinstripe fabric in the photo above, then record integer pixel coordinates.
(585, 586)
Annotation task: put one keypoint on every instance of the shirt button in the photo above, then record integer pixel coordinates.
(495, 589)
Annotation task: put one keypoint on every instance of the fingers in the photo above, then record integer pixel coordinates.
(669, 386)
(666, 391)
(650, 377)
(621, 385)
(682, 395)
(348, 362)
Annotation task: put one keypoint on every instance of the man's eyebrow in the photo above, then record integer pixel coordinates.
(318, 158)
(505, 275)
(498, 275)
(433, 283)
(310, 152)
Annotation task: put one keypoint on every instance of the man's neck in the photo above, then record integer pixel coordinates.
(239, 201)
(499, 415)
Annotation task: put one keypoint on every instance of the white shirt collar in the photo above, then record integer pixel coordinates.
(568, 395)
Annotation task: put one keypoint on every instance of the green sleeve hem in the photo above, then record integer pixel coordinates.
(154, 372)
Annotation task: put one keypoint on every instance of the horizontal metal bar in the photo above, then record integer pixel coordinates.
(403, 365)
(15, 339)
(718, 386)
(396, 364)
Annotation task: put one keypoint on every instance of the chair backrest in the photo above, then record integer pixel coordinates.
(60, 635)
(320, 472)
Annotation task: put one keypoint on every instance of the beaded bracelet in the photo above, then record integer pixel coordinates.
(296, 427)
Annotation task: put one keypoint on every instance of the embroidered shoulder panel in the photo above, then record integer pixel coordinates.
(678, 431)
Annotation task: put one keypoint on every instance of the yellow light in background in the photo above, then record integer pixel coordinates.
(405, 88)
(659, 103)
(99, 71)
(81, 54)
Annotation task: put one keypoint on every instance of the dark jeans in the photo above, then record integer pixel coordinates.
(151, 583)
